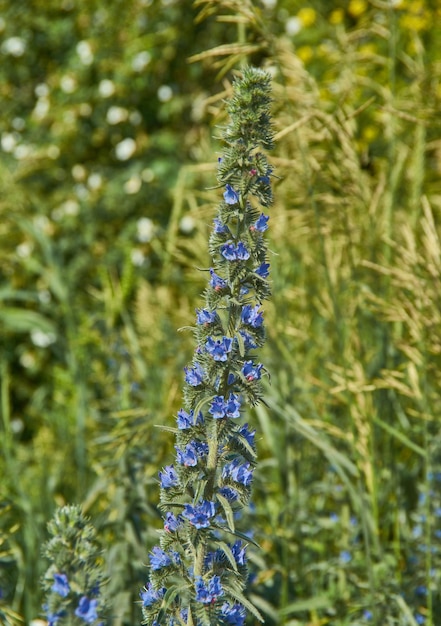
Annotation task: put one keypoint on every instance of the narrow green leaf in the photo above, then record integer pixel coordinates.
(227, 510)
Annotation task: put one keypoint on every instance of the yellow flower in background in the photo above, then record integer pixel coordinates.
(336, 16)
(369, 133)
(307, 16)
(357, 7)
(305, 53)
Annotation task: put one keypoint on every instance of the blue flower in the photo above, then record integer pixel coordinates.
(168, 477)
(232, 407)
(205, 317)
(261, 224)
(194, 376)
(187, 457)
(52, 618)
(247, 434)
(241, 473)
(159, 559)
(217, 407)
(172, 523)
(228, 251)
(86, 610)
(248, 340)
(251, 371)
(186, 420)
(216, 282)
(219, 348)
(220, 408)
(230, 196)
(149, 595)
(239, 552)
(229, 493)
(345, 556)
(234, 253)
(233, 615)
(200, 514)
(241, 252)
(367, 615)
(61, 585)
(208, 593)
(219, 227)
(263, 270)
(252, 316)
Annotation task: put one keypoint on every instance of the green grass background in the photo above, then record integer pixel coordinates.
(100, 241)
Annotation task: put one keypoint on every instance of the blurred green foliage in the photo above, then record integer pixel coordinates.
(108, 152)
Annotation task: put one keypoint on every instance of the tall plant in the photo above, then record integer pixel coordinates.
(198, 572)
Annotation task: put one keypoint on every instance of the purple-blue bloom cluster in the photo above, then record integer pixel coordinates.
(238, 471)
(87, 610)
(194, 376)
(251, 371)
(261, 224)
(219, 348)
(61, 585)
(208, 592)
(252, 316)
(186, 420)
(159, 558)
(216, 282)
(230, 196)
(168, 477)
(149, 595)
(232, 252)
(205, 317)
(199, 515)
(194, 451)
(221, 408)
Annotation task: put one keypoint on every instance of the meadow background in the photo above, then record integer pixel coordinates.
(110, 115)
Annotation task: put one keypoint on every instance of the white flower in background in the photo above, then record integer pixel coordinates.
(146, 229)
(24, 249)
(106, 88)
(141, 60)
(135, 118)
(187, 225)
(53, 152)
(18, 123)
(14, 46)
(147, 175)
(41, 90)
(42, 339)
(270, 4)
(95, 181)
(85, 53)
(41, 108)
(44, 295)
(22, 151)
(79, 172)
(68, 84)
(125, 149)
(116, 115)
(85, 109)
(137, 257)
(293, 26)
(9, 141)
(165, 93)
(133, 185)
(68, 208)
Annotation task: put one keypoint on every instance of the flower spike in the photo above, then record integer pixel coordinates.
(209, 482)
